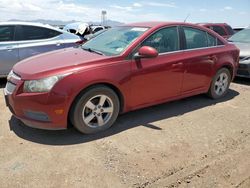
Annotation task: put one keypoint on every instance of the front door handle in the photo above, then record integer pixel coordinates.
(177, 65)
(58, 44)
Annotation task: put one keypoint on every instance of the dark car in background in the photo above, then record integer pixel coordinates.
(123, 69)
(242, 40)
(237, 29)
(19, 40)
(222, 29)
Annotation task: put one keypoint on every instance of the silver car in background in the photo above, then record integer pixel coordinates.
(19, 40)
(242, 40)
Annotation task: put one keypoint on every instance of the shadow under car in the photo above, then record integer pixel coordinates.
(143, 117)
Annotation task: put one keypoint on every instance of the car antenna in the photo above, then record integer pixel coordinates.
(187, 17)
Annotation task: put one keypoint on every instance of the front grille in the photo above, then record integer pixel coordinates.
(16, 76)
(10, 88)
(13, 75)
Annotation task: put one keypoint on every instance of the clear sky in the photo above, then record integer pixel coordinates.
(234, 12)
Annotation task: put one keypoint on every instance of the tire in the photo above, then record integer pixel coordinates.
(95, 110)
(220, 84)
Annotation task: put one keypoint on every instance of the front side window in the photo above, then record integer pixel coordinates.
(6, 33)
(164, 40)
(37, 33)
(114, 41)
(219, 30)
(195, 38)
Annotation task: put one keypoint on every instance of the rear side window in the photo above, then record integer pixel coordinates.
(195, 38)
(219, 30)
(7, 33)
(229, 30)
(212, 41)
(37, 33)
(164, 40)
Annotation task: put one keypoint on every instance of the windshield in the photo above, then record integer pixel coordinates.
(114, 41)
(241, 36)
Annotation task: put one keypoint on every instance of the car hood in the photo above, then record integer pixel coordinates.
(64, 60)
(244, 48)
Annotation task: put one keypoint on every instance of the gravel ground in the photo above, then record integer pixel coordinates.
(194, 142)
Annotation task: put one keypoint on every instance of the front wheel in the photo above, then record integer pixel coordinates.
(95, 110)
(220, 84)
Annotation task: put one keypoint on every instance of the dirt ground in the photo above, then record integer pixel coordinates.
(195, 142)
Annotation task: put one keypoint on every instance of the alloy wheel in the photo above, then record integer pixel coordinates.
(221, 84)
(97, 111)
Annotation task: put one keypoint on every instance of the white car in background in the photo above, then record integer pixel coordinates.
(82, 29)
(19, 40)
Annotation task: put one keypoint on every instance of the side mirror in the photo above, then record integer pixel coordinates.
(146, 52)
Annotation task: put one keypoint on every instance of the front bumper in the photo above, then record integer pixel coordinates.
(37, 110)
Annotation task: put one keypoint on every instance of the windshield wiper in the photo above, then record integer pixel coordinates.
(92, 50)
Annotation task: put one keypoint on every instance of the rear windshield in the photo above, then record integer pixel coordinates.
(242, 36)
(229, 30)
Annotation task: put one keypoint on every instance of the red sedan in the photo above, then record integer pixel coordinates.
(123, 69)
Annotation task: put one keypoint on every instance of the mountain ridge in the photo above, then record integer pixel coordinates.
(59, 22)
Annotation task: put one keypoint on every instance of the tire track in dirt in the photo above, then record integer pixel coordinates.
(176, 177)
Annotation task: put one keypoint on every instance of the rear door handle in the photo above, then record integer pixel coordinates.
(177, 65)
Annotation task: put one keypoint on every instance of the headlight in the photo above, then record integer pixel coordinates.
(42, 85)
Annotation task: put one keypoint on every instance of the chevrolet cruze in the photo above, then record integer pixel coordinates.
(123, 69)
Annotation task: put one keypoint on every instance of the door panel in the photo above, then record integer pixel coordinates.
(31, 48)
(8, 49)
(8, 57)
(198, 68)
(198, 61)
(160, 78)
(156, 79)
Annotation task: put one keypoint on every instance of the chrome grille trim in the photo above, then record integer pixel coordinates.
(13, 75)
(9, 88)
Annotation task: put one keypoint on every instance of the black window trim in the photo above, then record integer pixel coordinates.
(184, 36)
(182, 42)
(20, 33)
(185, 50)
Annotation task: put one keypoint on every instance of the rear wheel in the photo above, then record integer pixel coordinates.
(220, 84)
(95, 110)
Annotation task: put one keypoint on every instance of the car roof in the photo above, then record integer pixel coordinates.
(30, 24)
(158, 24)
(212, 24)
